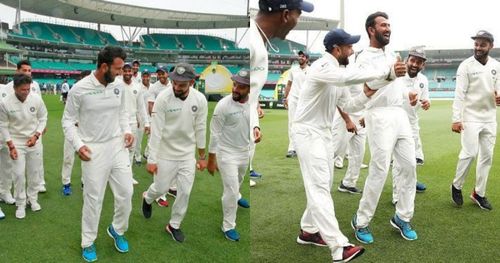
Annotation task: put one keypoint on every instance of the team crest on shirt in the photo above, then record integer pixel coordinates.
(194, 108)
(421, 85)
(135, 91)
(116, 91)
(494, 72)
(33, 89)
(32, 109)
(4, 94)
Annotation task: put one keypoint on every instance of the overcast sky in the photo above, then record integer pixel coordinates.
(437, 24)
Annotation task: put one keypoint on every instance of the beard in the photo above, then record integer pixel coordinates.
(344, 61)
(108, 77)
(381, 39)
(480, 55)
(181, 94)
(239, 97)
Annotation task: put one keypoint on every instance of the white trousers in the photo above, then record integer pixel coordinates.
(108, 164)
(315, 153)
(6, 176)
(131, 150)
(183, 171)
(419, 152)
(68, 161)
(41, 170)
(26, 173)
(292, 106)
(138, 145)
(340, 136)
(389, 134)
(478, 139)
(232, 172)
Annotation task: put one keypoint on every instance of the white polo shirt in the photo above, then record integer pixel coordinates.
(135, 103)
(420, 85)
(474, 93)
(156, 88)
(230, 128)
(178, 126)
(100, 112)
(19, 121)
(297, 76)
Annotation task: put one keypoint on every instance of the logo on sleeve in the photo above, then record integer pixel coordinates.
(194, 108)
(32, 109)
(116, 91)
(421, 85)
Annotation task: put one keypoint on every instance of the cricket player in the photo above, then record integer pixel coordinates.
(135, 107)
(178, 127)
(292, 91)
(229, 147)
(23, 117)
(136, 74)
(324, 90)
(415, 82)
(477, 95)
(275, 19)
(6, 178)
(98, 104)
(145, 76)
(389, 134)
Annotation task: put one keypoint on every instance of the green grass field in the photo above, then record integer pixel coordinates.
(53, 234)
(446, 233)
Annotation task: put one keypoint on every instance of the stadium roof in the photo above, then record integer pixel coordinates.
(103, 12)
(308, 23)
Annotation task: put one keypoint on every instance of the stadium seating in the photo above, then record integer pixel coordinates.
(286, 47)
(186, 42)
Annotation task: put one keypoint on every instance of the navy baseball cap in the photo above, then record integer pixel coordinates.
(417, 52)
(303, 53)
(162, 68)
(278, 5)
(136, 61)
(183, 72)
(242, 77)
(337, 37)
(146, 72)
(484, 35)
(127, 65)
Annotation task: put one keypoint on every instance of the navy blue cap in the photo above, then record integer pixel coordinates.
(242, 77)
(278, 5)
(136, 61)
(146, 72)
(484, 35)
(127, 65)
(162, 68)
(339, 37)
(303, 53)
(183, 72)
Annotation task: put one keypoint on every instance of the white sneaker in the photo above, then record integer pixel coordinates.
(21, 212)
(134, 181)
(42, 189)
(252, 183)
(7, 198)
(35, 206)
(339, 163)
(363, 166)
(2, 215)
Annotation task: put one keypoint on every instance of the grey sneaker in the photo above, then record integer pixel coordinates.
(176, 234)
(456, 196)
(481, 201)
(346, 189)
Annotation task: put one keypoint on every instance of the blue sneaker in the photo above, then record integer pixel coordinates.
(243, 203)
(404, 228)
(362, 234)
(67, 189)
(232, 234)
(421, 187)
(121, 243)
(254, 174)
(89, 254)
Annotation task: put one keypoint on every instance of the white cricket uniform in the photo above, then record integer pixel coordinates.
(321, 94)
(136, 110)
(138, 78)
(178, 127)
(35, 87)
(355, 143)
(142, 122)
(68, 161)
(389, 134)
(258, 74)
(297, 77)
(420, 85)
(156, 88)
(6, 177)
(102, 118)
(474, 106)
(19, 121)
(230, 142)
(65, 87)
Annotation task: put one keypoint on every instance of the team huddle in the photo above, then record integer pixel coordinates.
(344, 99)
(104, 116)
